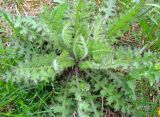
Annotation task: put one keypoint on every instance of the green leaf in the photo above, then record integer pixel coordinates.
(132, 85)
(80, 48)
(59, 1)
(1, 47)
(63, 62)
(98, 50)
(121, 24)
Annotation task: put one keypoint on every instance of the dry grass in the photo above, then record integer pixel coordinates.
(25, 7)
